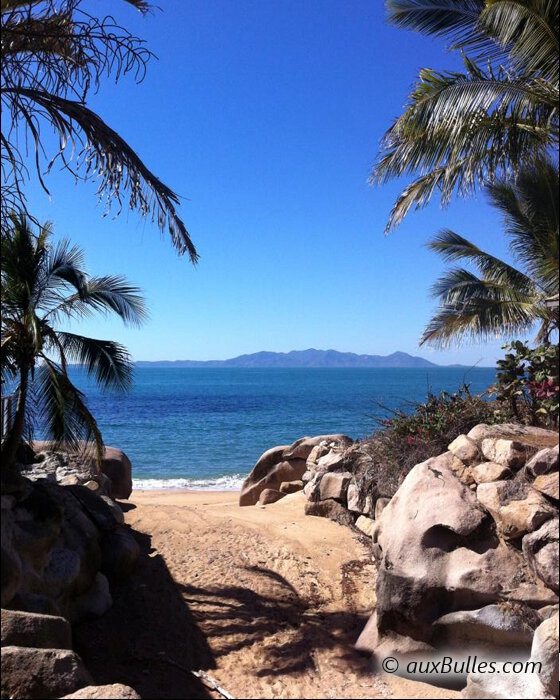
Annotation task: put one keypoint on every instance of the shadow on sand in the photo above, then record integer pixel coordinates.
(148, 624)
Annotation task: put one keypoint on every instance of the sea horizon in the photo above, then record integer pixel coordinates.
(204, 428)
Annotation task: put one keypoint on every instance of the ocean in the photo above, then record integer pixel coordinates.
(205, 428)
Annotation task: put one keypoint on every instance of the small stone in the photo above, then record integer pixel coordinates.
(508, 453)
(115, 691)
(365, 525)
(332, 460)
(549, 485)
(490, 471)
(334, 485)
(544, 462)
(269, 496)
(287, 487)
(465, 449)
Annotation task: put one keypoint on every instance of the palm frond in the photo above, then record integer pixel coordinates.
(62, 411)
(452, 247)
(107, 361)
(115, 293)
(106, 157)
(457, 19)
(479, 319)
(529, 33)
(458, 286)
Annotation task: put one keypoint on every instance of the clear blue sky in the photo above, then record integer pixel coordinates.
(266, 115)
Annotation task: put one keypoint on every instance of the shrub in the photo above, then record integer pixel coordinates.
(381, 462)
(527, 388)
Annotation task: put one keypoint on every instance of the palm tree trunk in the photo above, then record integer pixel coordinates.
(12, 441)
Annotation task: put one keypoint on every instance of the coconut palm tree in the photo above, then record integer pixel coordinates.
(42, 286)
(54, 53)
(463, 129)
(502, 299)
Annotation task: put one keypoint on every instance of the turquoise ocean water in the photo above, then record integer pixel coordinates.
(205, 428)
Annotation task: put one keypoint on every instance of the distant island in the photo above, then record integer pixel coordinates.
(303, 358)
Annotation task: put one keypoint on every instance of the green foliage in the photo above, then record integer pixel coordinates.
(42, 285)
(413, 436)
(527, 388)
(55, 53)
(499, 298)
(463, 129)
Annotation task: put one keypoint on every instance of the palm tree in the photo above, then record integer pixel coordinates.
(464, 129)
(502, 299)
(42, 285)
(54, 53)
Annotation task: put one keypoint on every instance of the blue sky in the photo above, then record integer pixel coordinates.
(266, 117)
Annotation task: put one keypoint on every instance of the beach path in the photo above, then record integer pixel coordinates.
(267, 601)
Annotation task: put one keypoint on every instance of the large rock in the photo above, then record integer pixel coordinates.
(25, 629)
(516, 507)
(356, 502)
(539, 680)
(544, 462)
(115, 691)
(288, 487)
(42, 673)
(545, 652)
(269, 496)
(541, 552)
(440, 554)
(116, 465)
(120, 552)
(504, 626)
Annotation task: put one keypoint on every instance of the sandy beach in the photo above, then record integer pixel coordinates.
(267, 601)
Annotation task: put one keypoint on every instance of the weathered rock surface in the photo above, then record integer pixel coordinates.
(487, 472)
(544, 462)
(528, 435)
(508, 453)
(329, 509)
(301, 449)
(288, 487)
(270, 496)
(518, 509)
(465, 449)
(24, 629)
(502, 626)
(115, 691)
(365, 524)
(42, 673)
(541, 552)
(334, 485)
(549, 485)
(290, 463)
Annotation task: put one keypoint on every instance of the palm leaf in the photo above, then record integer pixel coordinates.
(107, 361)
(62, 411)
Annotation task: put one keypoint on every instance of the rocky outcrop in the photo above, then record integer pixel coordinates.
(468, 556)
(287, 463)
(60, 545)
(81, 468)
(24, 629)
(42, 673)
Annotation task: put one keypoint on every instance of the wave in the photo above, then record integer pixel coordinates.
(232, 482)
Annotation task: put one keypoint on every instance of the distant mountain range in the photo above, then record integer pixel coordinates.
(304, 358)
